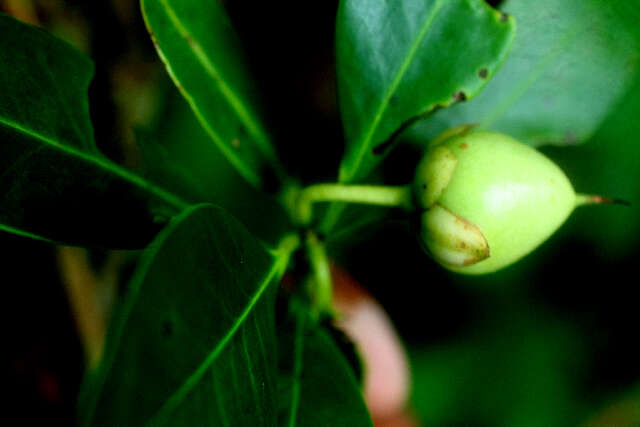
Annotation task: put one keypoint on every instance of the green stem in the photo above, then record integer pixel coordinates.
(321, 292)
(392, 196)
(286, 247)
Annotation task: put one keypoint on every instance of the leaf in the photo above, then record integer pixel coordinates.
(318, 386)
(397, 61)
(571, 62)
(609, 164)
(177, 153)
(54, 184)
(195, 40)
(194, 343)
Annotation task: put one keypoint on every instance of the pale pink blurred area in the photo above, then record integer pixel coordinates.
(386, 368)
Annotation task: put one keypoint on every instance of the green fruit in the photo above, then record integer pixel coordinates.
(487, 200)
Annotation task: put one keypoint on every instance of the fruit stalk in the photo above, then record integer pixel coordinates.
(391, 196)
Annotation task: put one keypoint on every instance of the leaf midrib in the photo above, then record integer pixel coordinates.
(366, 140)
(168, 197)
(233, 100)
(211, 69)
(178, 396)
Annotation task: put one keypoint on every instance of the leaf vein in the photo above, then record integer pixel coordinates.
(252, 379)
(366, 140)
(178, 396)
(233, 157)
(104, 164)
(236, 104)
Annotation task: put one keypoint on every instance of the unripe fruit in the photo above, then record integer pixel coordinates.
(487, 200)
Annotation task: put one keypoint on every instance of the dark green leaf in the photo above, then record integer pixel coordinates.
(201, 51)
(571, 62)
(399, 60)
(177, 153)
(54, 184)
(194, 343)
(318, 386)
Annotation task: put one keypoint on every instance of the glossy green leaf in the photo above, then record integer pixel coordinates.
(399, 60)
(571, 62)
(317, 386)
(194, 343)
(195, 40)
(54, 184)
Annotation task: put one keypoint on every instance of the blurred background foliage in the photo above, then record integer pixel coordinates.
(549, 341)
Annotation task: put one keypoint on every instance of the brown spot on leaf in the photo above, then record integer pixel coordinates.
(464, 146)
(495, 3)
(235, 143)
(570, 138)
(483, 73)
(459, 96)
